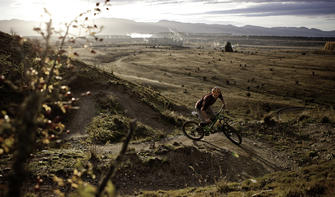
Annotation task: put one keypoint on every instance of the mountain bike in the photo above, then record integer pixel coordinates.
(194, 131)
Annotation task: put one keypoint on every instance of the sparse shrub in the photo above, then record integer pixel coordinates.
(269, 121)
(223, 187)
(248, 111)
(248, 94)
(228, 47)
(325, 119)
(108, 103)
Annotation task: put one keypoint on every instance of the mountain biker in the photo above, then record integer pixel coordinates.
(203, 108)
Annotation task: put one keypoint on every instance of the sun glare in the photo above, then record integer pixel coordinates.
(64, 10)
(61, 11)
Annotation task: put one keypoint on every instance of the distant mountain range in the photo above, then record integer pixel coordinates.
(114, 26)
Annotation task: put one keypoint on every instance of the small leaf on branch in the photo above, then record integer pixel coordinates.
(68, 93)
(46, 108)
(62, 51)
(47, 12)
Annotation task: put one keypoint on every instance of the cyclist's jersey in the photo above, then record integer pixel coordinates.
(207, 101)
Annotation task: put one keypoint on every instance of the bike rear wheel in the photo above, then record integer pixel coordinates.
(192, 130)
(232, 134)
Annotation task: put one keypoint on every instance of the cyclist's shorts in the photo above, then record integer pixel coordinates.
(208, 111)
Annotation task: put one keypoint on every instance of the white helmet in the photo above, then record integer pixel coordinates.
(216, 90)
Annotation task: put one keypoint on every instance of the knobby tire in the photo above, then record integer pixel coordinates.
(232, 134)
(189, 129)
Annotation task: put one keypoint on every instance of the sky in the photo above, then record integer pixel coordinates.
(266, 13)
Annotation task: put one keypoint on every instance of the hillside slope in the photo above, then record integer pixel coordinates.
(289, 159)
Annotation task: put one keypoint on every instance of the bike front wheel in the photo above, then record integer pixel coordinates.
(232, 134)
(192, 130)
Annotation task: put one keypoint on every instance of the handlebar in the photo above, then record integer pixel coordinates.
(221, 109)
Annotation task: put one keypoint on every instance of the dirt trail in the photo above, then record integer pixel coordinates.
(140, 111)
(192, 163)
(154, 165)
(120, 65)
(133, 106)
(216, 144)
(83, 116)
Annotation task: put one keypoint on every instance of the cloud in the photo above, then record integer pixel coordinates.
(278, 9)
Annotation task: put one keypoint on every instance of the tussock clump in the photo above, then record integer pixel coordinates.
(107, 128)
(269, 121)
(108, 103)
(113, 128)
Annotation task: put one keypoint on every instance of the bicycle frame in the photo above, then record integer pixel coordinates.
(208, 128)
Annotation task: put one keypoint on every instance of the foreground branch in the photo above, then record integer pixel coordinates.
(115, 164)
(26, 129)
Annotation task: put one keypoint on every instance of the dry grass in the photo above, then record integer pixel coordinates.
(270, 76)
